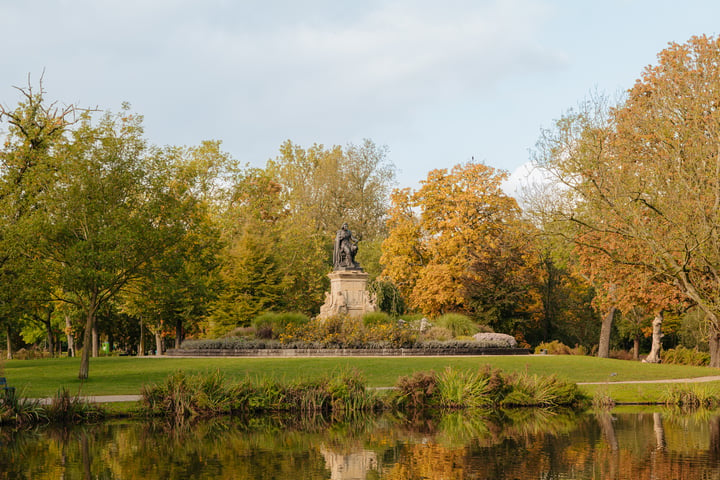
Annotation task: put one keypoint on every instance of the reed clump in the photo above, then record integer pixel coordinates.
(486, 388)
(692, 396)
(63, 408)
(183, 395)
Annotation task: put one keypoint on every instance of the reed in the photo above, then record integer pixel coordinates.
(65, 408)
(181, 395)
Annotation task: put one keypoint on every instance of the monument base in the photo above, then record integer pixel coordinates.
(348, 295)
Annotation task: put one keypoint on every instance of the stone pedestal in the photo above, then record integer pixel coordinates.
(348, 295)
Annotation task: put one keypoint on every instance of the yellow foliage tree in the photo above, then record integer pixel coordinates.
(447, 238)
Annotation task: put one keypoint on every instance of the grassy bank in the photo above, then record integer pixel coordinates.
(127, 375)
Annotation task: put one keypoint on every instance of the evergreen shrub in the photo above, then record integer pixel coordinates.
(458, 324)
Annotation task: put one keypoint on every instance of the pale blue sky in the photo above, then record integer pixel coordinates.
(437, 82)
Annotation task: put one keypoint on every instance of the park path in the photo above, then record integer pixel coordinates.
(101, 399)
(137, 398)
(714, 378)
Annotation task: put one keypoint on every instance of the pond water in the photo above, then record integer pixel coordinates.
(523, 444)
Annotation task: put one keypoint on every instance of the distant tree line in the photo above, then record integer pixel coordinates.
(106, 237)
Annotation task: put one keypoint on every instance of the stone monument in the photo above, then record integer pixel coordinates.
(348, 282)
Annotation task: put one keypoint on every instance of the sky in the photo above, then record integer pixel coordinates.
(438, 83)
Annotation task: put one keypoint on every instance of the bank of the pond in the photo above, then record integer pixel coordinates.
(343, 393)
(127, 375)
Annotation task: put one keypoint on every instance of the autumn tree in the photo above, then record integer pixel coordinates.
(457, 244)
(647, 173)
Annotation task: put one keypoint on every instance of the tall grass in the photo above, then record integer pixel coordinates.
(182, 395)
(19, 411)
(692, 396)
(65, 408)
(62, 408)
(486, 388)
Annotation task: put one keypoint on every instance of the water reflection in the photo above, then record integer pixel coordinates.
(520, 444)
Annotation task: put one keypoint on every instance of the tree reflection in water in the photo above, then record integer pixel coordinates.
(518, 444)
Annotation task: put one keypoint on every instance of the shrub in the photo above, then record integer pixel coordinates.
(377, 318)
(438, 334)
(554, 348)
(501, 340)
(686, 356)
(243, 332)
(416, 391)
(458, 324)
(272, 325)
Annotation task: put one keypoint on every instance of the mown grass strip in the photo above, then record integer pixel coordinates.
(127, 375)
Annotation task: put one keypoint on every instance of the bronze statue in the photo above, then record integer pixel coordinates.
(345, 249)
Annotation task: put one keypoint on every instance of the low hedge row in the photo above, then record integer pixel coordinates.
(239, 343)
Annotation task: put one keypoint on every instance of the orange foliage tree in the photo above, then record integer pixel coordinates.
(645, 175)
(458, 244)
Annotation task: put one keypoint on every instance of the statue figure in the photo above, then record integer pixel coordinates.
(345, 249)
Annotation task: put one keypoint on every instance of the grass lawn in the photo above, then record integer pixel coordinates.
(126, 375)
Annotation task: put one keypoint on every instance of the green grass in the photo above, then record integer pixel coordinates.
(126, 375)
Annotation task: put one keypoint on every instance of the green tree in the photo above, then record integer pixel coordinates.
(110, 211)
(36, 131)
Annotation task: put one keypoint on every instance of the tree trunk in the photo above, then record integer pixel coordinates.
(604, 345)
(9, 343)
(87, 342)
(141, 346)
(178, 333)
(95, 342)
(70, 337)
(714, 341)
(48, 328)
(158, 344)
(636, 347)
(657, 335)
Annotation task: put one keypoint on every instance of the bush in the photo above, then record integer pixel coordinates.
(271, 325)
(458, 324)
(685, 356)
(438, 333)
(415, 391)
(377, 318)
(558, 348)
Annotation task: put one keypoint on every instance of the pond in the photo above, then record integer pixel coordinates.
(522, 444)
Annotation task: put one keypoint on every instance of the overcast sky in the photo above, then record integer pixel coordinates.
(438, 82)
